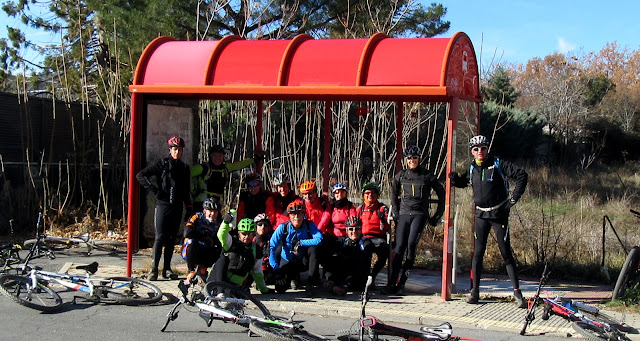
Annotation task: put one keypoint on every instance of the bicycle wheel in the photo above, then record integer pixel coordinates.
(128, 291)
(113, 246)
(250, 305)
(19, 289)
(352, 335)
(50, 244)
(277, 332)
(591, 331)
(628, 272)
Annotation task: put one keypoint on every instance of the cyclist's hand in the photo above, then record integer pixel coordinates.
(510, 203)
(154, 189)
(453, 175)
(228, 218)
(295, 247)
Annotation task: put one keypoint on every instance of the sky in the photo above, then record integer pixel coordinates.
(515, 31)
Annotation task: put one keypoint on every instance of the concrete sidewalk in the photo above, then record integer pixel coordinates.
(423, 305)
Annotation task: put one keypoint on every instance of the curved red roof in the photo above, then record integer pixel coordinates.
(303, 68)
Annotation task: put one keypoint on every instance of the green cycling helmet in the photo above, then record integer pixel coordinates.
(371, 186)
(247, 225)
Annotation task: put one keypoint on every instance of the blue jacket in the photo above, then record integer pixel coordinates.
(308, 235)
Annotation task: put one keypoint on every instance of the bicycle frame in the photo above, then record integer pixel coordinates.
(209, 309)
(374, 327)
(227, 316)
(85, 284)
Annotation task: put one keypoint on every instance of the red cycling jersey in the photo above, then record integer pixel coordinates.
(339, 216)
(319, 212)
(372, 225)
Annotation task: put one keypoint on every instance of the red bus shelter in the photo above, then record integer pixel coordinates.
(301, 69)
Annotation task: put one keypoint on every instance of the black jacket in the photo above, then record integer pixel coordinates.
(172, 179)
(489, 187)
(411, 193)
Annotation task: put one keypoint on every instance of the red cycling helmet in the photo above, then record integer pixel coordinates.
(176, 141)
(295, 206)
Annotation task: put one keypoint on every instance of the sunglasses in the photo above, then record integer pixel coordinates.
(351, 229)
(254, 184)
(477, 149)
(412, 157)
(263, 224)
(246, 233)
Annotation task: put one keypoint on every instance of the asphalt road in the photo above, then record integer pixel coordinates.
(85, 320)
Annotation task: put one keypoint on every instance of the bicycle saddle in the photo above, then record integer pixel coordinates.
(443, 331)
(84, 237)
(90, 268)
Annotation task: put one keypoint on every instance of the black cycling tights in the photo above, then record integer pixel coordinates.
(167, 223)
(483, 227)
(408, 232)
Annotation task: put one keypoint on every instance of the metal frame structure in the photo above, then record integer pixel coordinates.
(376, 69)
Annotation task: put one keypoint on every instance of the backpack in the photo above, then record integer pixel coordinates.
(496, 165)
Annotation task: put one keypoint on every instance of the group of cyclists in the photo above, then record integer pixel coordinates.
(297, 235)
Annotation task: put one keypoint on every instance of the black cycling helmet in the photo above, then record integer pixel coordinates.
(353, 221)
(211, 204)
(216, 149)
(281, 179)
(412, 150)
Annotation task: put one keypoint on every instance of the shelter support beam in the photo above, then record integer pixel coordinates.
(326, 158)
(133, 216)
(447, 248)
(399, 127)
(259, 133)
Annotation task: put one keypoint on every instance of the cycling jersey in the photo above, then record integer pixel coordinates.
(342, 209)
(319, 212)
(374, 219)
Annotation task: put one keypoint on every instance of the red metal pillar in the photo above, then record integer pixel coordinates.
(326, 157)
(259, 134)
(399, 127)
(133, 215)
(447, 247)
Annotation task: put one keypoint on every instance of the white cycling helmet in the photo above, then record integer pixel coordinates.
(479, 140)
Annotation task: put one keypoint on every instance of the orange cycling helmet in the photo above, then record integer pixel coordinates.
(295, 206)
(308, 187)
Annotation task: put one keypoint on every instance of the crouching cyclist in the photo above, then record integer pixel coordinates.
(201, 247)
(240, 256)
(293, 248)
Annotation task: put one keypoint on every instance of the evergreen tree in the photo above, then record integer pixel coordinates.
(499, 88)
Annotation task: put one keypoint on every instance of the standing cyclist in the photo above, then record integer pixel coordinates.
(171, 191)
(213, 176)
(488, 176)
(410, 196)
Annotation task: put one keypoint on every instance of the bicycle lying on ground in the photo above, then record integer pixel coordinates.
(10, 252)
(34, 290)
(50, 243)
(219, 301)
(534, 301)
(630, 272)
(371, 329)
(585, 319)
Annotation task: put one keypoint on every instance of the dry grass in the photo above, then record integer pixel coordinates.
(558, 220)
